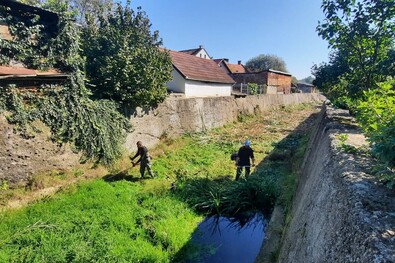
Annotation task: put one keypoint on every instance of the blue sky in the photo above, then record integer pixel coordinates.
(242, 29)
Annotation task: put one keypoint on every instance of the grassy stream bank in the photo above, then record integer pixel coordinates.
(120, 218)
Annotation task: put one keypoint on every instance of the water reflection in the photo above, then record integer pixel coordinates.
(223, 239)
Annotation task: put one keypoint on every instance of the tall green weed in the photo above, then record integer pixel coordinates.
(376, 114)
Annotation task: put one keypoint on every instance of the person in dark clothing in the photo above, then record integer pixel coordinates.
(244, 155)
(145, 159)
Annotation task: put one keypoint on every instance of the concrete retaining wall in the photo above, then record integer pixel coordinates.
(340, 212)
(180, 115)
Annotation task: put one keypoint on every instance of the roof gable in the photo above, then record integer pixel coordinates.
(192, 51)
(195, 68)
(196, 51)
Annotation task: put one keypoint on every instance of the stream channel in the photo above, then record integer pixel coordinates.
(230, 239)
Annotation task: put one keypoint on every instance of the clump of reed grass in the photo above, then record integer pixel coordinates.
(230, 198)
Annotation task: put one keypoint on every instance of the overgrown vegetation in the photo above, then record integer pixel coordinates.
(122, 218)
(132, 72)
(360, 73)
(376, 113)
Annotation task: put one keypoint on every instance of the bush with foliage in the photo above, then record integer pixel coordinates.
(253, 87)
(376, 113)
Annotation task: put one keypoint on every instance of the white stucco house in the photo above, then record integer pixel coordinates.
(198, 77)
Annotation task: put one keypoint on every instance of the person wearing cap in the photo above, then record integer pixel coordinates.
(145, 159)
(244, 155)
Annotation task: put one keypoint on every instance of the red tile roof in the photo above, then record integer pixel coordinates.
(236, 68)
(20, 72)
(201, 69)
(5, 70)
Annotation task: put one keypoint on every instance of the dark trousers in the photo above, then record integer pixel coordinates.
(143, 166)
(239, 170)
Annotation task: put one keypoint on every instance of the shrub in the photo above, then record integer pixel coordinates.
(253, 87)
(375, 112)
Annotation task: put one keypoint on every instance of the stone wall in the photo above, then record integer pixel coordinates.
(340, 212)
(21, 157)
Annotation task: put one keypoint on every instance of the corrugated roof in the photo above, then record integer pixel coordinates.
(279, 72)
(201, 69)
(305, 84)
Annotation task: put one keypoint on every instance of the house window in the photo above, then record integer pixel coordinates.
(204, 56)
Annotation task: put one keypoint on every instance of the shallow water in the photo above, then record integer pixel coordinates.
(230, 240)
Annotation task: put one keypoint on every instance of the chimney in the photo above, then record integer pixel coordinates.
(226, 59)
(239, 62)
(200, 46)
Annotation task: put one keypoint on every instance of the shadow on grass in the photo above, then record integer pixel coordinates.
(122, 175)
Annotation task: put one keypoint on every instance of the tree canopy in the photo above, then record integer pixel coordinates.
(265, 62)
(121, 54)
(123, 59)
(361, 33)
(124, 66)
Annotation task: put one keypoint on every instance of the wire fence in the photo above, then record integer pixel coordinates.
(259, 89)
(246, 89)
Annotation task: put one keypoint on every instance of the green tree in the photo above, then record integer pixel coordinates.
(123, 59)
(93, 127)
(90, 9)
(362, 32)
(328, 74)
(265, 62)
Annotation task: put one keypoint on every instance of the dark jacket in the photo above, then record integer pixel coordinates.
(144, 155)
(245, 154)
